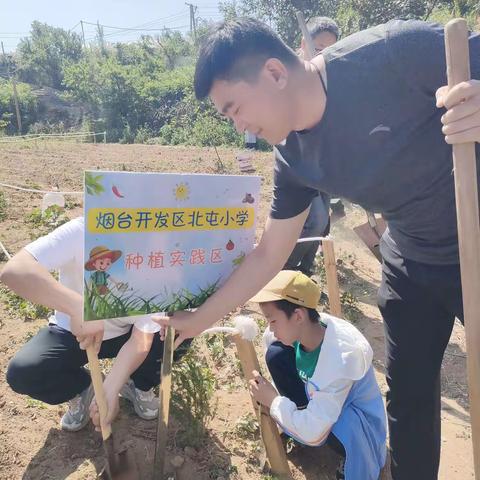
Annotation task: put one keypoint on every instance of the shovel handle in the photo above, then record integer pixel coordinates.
(97, 381)
(466, 197)
(309, 46)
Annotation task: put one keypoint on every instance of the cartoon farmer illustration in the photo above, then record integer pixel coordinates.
(101, 259)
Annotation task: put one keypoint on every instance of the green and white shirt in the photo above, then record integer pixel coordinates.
(306, 362)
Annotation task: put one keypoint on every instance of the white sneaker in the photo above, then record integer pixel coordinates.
(145, 404)
(77, 415)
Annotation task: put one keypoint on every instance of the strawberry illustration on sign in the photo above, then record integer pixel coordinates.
(116, 192)
(248, 198)
(230, 245)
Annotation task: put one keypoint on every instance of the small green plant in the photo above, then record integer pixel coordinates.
(216, 346)
(220, 469)
(193, 387)
(71, 203)
(247, 427)
(21, 307)
(350, 308)
(3, 207)
(46, 222)
(319, 269)
(32, 403)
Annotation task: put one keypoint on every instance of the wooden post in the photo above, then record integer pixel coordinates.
(83, 34)
(466, 195)
(332, 278)
(15, 93)
(164, 405)
(271, 437)
(17, 105)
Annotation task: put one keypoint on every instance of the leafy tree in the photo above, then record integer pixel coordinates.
(27, 105)
(43, 55)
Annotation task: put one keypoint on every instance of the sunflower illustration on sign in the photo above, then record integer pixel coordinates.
(181, 191)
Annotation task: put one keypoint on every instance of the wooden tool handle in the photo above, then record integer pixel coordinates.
(332, 278)
(466, 195)
(269, 431)
(309, 46)
(164, 395)
(97, 381)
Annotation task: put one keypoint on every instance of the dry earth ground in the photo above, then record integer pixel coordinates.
(32, 446)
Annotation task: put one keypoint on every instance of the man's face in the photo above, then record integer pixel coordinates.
(323, 40)
(102, 264)
(285, 329)
(259, 106)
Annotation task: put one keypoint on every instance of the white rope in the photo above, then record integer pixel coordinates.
(14, 187)
(5, 251)
(313, 239)
(230, 330)
(244, 326)
(34, 136)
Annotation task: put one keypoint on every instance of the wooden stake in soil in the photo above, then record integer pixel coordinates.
(164, 405)
(271, 438)
(332, 278)
(466, 195)
(120, 465)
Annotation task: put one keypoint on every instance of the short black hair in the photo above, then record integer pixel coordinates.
(317, 25)
(288, 308)
(238, 49)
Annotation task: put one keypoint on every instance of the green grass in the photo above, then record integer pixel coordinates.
(18, 306)
(193, 387)
(127, 304)
(247, 427)
(216, 346)
(46, 222)
(3, 206)
(32, 403)
(350, 308)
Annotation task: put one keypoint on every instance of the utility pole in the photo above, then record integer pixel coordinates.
(193, 23)
(100, 37)
(83, 34)
(15, 94)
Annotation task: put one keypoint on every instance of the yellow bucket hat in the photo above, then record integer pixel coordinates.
(292, 286)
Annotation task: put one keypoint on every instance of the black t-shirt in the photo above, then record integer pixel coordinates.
(379, 143)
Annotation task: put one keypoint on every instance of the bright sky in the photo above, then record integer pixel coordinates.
(17, 16)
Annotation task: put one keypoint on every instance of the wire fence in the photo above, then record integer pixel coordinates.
(55, 136)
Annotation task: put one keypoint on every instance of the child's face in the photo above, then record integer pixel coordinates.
(323, 40)
(284, 328)
(102, 264)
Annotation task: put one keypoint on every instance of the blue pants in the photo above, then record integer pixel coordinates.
(280, 360)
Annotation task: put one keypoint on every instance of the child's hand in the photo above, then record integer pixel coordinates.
(461, 122)
(262, 390)
(112, 412)
(90, 333)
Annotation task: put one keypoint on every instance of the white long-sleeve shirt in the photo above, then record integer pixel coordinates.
(345, 357)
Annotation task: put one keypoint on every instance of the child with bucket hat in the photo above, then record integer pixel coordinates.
(101, 259)
(325, 388)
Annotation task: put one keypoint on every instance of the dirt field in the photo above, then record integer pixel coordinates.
(32, 446)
